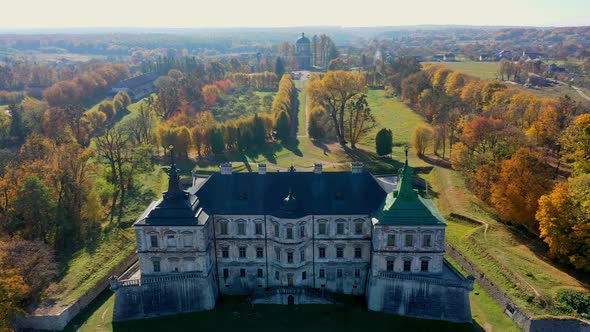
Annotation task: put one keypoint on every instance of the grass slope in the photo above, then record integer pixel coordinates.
(483, 70)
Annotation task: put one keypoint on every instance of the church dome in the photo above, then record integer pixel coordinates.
(302, 39)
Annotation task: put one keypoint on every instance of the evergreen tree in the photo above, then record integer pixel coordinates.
(16, 122)
(282, 126)
(314, 130)
(217, 144)
(259, 133)
(279, 67)
(384, 142)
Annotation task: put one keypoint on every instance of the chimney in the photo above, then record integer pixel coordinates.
(317, 168)
(225, 168)
(356, 167)
(261, 168)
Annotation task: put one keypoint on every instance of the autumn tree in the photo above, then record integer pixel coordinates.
(359, 120)
(576, 144)
(282, 126)
(422, 139)
(522, 180)
(564, 221)
(217, 144)
(384, 142)
(34, 211)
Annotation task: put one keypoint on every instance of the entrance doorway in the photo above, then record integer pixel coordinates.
(290, 300)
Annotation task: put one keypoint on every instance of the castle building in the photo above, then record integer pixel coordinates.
(291, 238)
(303, 52)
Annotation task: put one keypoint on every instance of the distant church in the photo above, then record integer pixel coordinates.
(303, 54)
(293, 238)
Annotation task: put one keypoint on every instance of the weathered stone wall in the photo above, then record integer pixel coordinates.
(163, 295)
(60, 320)
(524, 321)
(418, 298)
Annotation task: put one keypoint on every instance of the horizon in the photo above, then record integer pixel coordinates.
(263, 14)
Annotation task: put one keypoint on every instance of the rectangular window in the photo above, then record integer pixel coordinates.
(259, 252)
(302, 255)
(426, 240)
(301, 231)
(409, 240)
(187, 240)
(258, 229)
(277, 276)
(322, 252)
(241, 228)
(391, 240)
(225, 273)
(278, 253)
(339, 252)
(322, 273)
(424, 266)
(242, 252)
(322, 228)
(290, 233)
(259, 273)
(358, 228)
(170, 241)
(303, 275)
(156, 266)
(276, 230)
(290, 257)
(407, 265)
(225, 252)
(390, 265)
(358, 252)
(223, 230)
(338, 273)
(242, 273)
(340, 228)
(154, 241)
(357, 273)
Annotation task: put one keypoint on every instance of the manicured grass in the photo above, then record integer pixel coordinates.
(484, 70)
(301, 129)
(236, 314)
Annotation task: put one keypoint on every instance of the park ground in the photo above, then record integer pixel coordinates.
(511, 259)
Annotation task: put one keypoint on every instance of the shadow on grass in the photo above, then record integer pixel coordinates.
(325, 149)
(292, 144)
(436, 161)
(83, 317)
(373, 162)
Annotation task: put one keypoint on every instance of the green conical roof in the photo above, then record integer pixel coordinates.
(406, 206)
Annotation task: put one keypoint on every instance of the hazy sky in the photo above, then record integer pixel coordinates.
(277, 13)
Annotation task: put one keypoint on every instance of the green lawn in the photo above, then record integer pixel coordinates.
(301, 129)
(484, 70)
(235, 314)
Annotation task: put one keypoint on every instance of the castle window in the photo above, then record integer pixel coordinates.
(278, 253)
(225, 273)
(242, 273)
(290, 233)
(322, 273)
(357, 273)
(303, 275)
(390, 265)
(154, 241)
(156, 265)
(358, 252)
(322, 252)
(260, 273)
(259, 252)
(170, 241)
(426, 240)
(290, 257)
(340, 228)
(187, 240)
(409, 240)
(322, 228)
(277, 230)
(358, 228)
(391, 240)
(339, 252)
(407, 265)
(225, 252)
(277, 276)
(258, 228)
(301, 231)
(338, 273)
(223, 228)
(241, 228)
(424, 265)
(242, 252)
(302, 255)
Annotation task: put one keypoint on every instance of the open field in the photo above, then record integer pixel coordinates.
(484, 70)
(235, 314)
